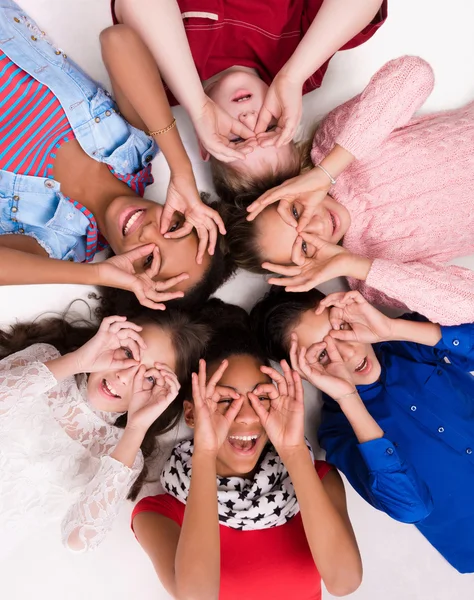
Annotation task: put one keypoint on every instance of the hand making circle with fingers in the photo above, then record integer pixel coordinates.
(327, 262)
(120, 271)
(153, 391)
(116, 345)
(211, 424)
(322, 365)
(309, 189)
(214, 126)
(284, 420)
(354, 319)
(183, 197)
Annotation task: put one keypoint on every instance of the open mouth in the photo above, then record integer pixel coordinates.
(363, 367)
(243, 444)
(108, 390)
(241, 96)
(131, 221)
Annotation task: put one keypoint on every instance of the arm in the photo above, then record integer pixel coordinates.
(388, 102)
(25, 375)
(374, 469)
(336, 23)
(442, 293)
(326, 524)
(187, 559)
(91, 517)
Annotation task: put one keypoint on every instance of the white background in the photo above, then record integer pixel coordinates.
(398, 562)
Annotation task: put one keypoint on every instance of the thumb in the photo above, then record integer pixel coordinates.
(332, 350)
(313, 239)
(238, 128)
(234, 410)
(346, 335)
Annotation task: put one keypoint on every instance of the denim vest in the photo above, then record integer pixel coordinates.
(40, 210)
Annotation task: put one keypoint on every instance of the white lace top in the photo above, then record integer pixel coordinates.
(55, 461)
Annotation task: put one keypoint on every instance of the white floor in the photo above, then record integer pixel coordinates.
(398, 562)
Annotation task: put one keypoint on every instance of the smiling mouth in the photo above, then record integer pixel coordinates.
(241, 96)
(333, 222)
(108, 390)
(243, 444)
(132, 219)
(364, 366)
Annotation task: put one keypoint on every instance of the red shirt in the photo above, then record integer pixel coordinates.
(271, 563)
(259, 34)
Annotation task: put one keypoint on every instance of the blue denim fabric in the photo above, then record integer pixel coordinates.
(42, 211)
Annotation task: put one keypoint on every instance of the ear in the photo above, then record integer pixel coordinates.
(189, 413)
(203, 152)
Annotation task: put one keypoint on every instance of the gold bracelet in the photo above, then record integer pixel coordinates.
(346, 395)
(164, 130)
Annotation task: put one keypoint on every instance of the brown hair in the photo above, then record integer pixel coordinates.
(236, 195)
(68, 334)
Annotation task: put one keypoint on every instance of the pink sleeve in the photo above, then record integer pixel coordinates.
(442, 293)
(388, 102)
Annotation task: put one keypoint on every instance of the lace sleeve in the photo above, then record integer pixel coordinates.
(388, 102)
(90, 518)
(24, 375)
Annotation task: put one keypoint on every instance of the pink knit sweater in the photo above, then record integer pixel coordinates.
(410, 193)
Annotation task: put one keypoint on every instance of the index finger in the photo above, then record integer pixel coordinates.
(265, 199)
(297, 252)
(288, 270)
(203, 237)
(166, 216)
(161, 286)
(183, 231)
(330, 300)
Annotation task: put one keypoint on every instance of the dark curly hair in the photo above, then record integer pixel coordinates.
(275, 316)
(68, 333)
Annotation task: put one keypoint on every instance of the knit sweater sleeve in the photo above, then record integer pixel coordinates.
(388, 102)
(444, 294)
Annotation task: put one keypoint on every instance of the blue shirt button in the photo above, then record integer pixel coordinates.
(455, 342)
(468, 450)
(413, 408)
(440, 429)
(389, 450)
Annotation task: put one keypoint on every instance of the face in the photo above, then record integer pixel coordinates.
(132, 222)
(111, 391)
(276, 238)
(359, 358)
(238, 456)
(241, 93)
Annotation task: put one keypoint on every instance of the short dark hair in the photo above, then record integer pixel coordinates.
(277, 314)
(230, 334)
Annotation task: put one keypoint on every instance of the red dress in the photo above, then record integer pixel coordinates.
(261, 35)
(264, 564)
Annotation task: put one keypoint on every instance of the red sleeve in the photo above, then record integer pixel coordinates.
(322, 468)
(163, 504)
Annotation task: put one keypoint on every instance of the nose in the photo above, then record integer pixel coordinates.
(249, 119)
(345, 349)
(247, 415)
(316, 226)
(149, 233)
(126, 376)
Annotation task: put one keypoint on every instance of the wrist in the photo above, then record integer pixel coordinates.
(292, 73)
(135, 429)
(291, 454)
(359, 267)
(64, 366)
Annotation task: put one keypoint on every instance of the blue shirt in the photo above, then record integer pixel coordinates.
(34, 206)
(422, 470)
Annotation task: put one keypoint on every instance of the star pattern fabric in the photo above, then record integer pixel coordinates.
(267, 500)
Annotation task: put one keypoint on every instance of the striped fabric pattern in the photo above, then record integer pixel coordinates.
(32, 123)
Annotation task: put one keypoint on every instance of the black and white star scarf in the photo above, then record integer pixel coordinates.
(268, 500)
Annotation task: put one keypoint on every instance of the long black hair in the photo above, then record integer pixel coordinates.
(68, 333)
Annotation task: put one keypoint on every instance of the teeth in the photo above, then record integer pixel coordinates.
(243, 98)
(131, 221)
(110, 388)
(362, 365)
(243, 438)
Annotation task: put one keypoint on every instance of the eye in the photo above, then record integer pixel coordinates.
(174, 227)
(323, 356)
(225, 401)
(151, 379)
(236, 140)
(263, 398)
(148, 261)
(271, 128)
(294, 212)
(304, 247)
(127, 352)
